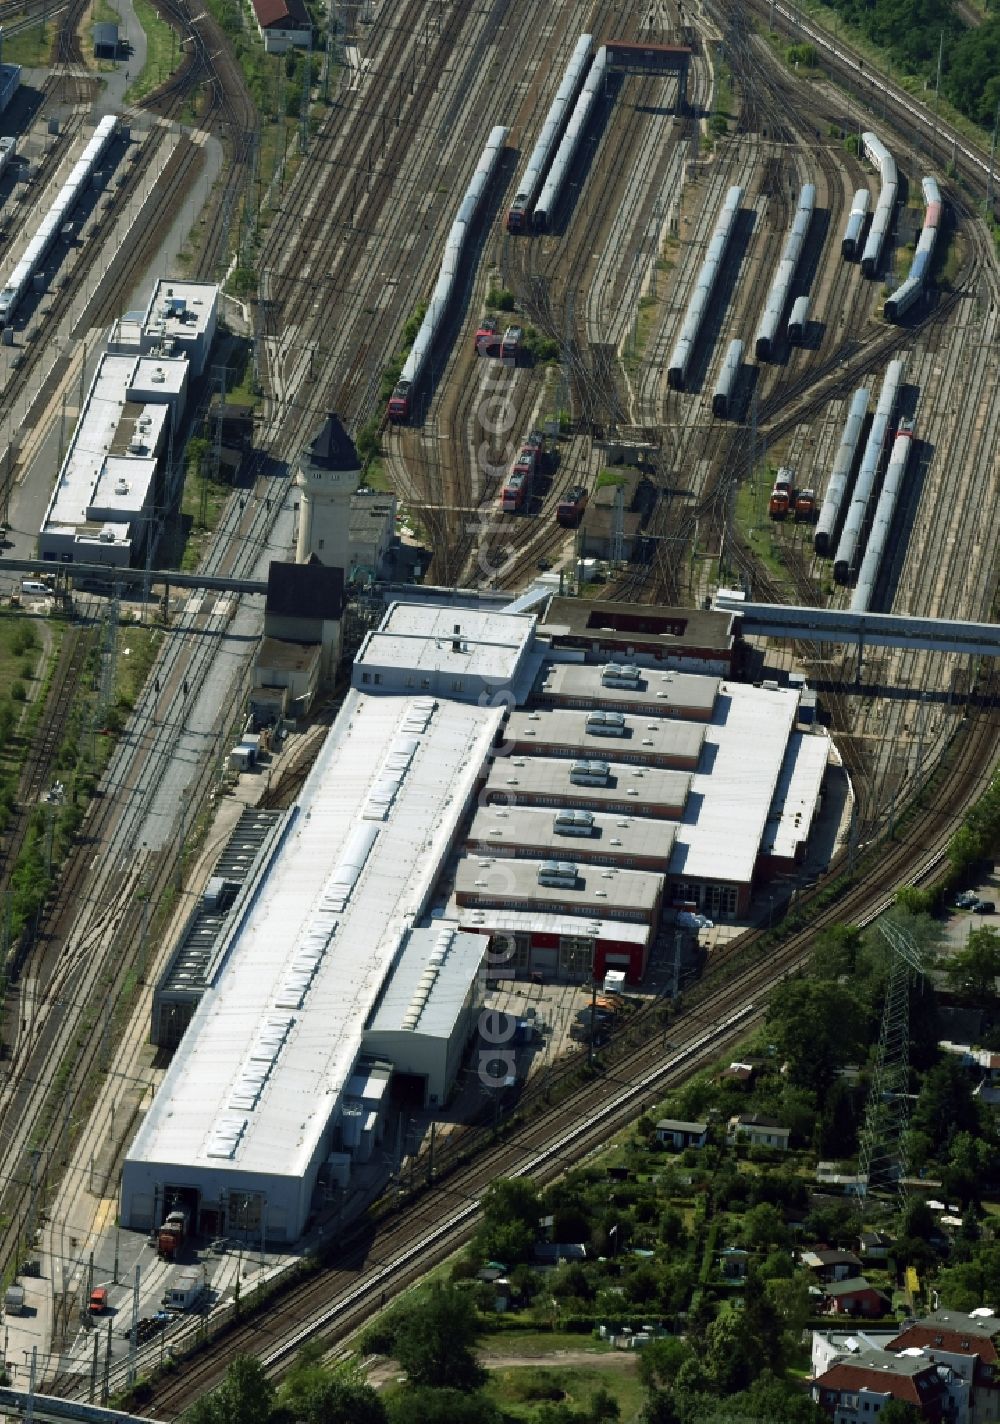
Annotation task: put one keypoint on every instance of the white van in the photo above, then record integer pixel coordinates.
(34, 586)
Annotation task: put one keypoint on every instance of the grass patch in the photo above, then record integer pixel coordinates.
(528, 1391)
(137, 648)
(539, 1342)
(763, 534)
(725, 98)
(608, 478)
(202, 504)
(163, 54)
(375, 476)
(31, 46)
(21, 694)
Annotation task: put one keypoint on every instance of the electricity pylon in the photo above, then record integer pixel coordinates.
(883, 1136)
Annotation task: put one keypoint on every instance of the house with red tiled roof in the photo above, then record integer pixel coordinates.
(283, 24)
(854, 1296)
(856, 1391)
(969, 1345)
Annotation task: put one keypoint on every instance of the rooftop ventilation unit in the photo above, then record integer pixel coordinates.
(590, 773)
(560, 873)
(606, 724)
(573, 823)
(618, 675)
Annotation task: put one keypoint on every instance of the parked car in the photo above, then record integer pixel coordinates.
(966, 900)
(984, 907)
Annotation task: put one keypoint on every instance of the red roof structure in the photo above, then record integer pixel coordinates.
(282, 14)
(923, 1388)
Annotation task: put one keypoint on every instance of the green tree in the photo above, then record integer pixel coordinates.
(945, 1105)
(422, 1405)
(245, 1396)
(814, 1025)
(900, 1411)
(974, 969)
(433, 1340)
(511, 1211)
(313, 1393)
(764, 1226)
(772, 1398)
(660, 1408)
(792, 1303)
(660, 1361)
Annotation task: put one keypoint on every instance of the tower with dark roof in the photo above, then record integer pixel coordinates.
(328, 474)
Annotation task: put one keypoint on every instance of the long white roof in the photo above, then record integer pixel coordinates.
(724, 820)
(259, 1073)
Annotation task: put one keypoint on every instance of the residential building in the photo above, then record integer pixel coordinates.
(756, 1131)
(672, 1132)
(854, 1296)
(831, 1265)
(856, 1391)
(283, 24)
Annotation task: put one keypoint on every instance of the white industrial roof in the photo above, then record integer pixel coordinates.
(656, 688)
(436, 968)
(644, 736)
(723, 823)
(490, 878)
(180, 308)
(549, 777)
(422, 637)
(616, 837)
(797, 794)
(261, 1071)
(166, 375)
(84, 481)
(505, 921)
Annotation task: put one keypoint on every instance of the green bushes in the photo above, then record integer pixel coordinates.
(500, 299)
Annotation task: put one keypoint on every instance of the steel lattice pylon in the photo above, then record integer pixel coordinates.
(883, 1136)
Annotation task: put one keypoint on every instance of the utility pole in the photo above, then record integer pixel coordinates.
(106, 1381)
(93, 1369)
(133, 1337)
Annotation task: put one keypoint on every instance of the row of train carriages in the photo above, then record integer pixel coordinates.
(26, 270)
(857, 245)
(847, 507)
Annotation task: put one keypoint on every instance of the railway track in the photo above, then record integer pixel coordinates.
(46, 739)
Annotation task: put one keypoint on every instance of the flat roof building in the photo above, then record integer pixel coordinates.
(252, 1103)
(627, 687)
(427, 1013)
(109, 483)
(796, 798)
(587, 785)
(180, 320)
(630, 842)
(719, 840)
(589, 890)
(695, 640)
(204, 937)
(636, 740)
(465, 655)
